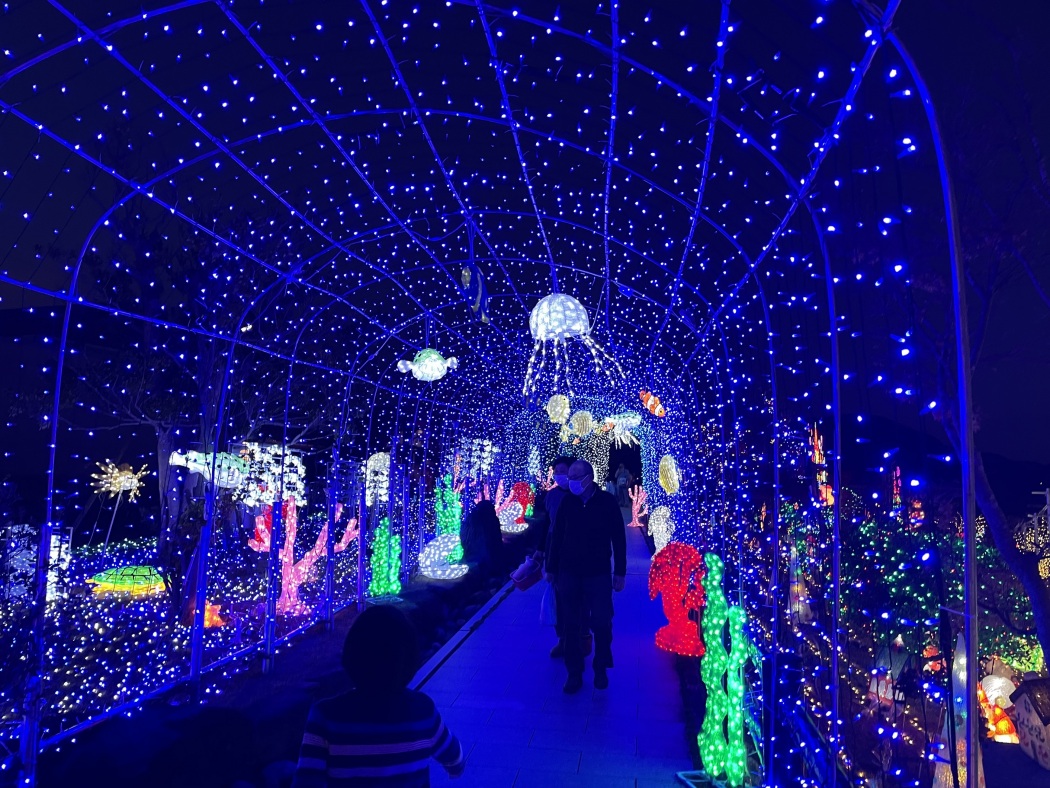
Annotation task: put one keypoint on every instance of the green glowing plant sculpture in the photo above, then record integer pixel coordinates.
(448, 512)
(721, 739)
(386, 561)
(712, 740)
(739, 650)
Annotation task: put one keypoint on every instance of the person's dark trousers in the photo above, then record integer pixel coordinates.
(581, 600)
(559, 629)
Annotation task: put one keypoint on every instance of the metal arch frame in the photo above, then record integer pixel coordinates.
(143, 191)
(721, 45)
(964, 394)
(339, 146)
(510, 122)
(225, 149)
(343, 246)
(509, 112)
(614, 90)
(466, 211)
(825, 145)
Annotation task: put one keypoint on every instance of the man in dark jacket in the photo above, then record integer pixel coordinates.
(546, 508)
(587, 532)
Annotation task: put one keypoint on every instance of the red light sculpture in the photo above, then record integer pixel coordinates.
(675, 573)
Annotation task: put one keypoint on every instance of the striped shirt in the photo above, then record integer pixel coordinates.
(361, 739)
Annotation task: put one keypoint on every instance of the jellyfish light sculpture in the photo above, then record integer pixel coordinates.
(556, 319)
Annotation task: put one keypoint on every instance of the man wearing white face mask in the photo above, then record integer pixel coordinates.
(587, 532)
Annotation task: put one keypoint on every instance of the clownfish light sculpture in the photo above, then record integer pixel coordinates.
(652, 403)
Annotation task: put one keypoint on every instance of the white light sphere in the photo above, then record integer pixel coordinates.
(558, 317)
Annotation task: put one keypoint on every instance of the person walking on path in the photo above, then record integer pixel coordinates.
(548, 505)
(587, 532)
(381, 733)
(623, 477)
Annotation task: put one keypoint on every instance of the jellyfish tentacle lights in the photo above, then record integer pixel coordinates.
(557, 318)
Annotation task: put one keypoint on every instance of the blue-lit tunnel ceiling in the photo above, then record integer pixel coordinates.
(690, 172)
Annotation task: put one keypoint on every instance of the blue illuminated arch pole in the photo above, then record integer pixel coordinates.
(964, 372)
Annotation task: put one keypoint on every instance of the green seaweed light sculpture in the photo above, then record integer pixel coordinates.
(386, 561)
(721, 739)
(712, 740)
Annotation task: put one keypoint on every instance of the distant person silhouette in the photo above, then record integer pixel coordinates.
(623, 478)
(380, 733)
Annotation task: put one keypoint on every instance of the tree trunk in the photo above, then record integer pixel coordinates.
(167, 487)
(211, 368)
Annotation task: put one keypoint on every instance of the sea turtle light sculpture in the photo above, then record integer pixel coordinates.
(133, 580)
(428, 365)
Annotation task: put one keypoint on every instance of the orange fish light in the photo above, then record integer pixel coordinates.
(652, 403)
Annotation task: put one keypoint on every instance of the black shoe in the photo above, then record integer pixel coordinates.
(558, 650)
(573, 684)
(601, 679)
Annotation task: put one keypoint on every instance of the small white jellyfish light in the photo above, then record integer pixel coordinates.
(556, 319)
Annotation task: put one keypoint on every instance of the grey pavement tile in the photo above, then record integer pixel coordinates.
(530, 778)
(537, 758)
(500, 692)
(479, 776)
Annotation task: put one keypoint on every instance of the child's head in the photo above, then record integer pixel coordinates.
(381, 653)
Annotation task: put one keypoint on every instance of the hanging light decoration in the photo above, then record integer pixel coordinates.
(428, 365)
(557, 318)
(377, 478)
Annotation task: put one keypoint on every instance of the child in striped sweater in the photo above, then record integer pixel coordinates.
(381, 733)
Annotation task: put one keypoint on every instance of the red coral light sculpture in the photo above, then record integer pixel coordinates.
(675, 574)
(522, 493)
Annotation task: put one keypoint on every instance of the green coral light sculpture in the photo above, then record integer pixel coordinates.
(736, 753)
(448, 512)
(721, 739)
(712, 740)
(386, 561)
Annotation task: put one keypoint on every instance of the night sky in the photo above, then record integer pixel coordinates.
(279, 167)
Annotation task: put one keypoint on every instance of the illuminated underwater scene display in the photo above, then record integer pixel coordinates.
(288, 289)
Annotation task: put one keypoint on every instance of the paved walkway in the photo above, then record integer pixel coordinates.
(501, 694)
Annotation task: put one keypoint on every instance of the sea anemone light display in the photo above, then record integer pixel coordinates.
(557, 318)
(661, 527)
